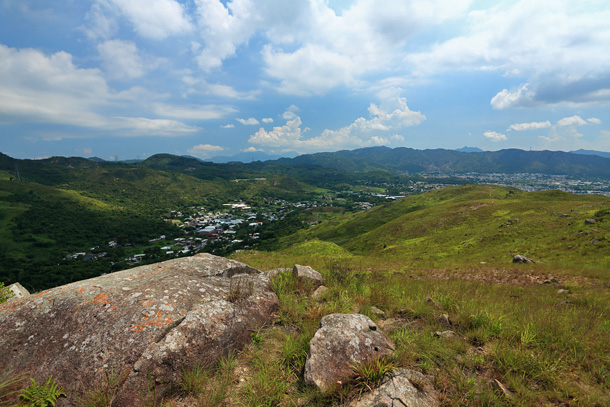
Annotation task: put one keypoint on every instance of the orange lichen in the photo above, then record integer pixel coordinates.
(158, 320)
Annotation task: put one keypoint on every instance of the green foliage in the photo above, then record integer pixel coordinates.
(5, 293)
(208, 386)
(368, 374)
(43, 395)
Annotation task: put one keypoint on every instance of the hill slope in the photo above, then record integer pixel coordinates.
(472, 224)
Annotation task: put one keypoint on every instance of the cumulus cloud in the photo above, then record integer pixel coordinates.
(361, 133)
(572, 121)
(248, 122)
(122, 60)
(311, 47)
(252, 149)
(291, 112)
(156, 19)
(493, 136)
(530, 126)
(519, 97)
(35, 87)
(228, 126)
(594, 120)
(267, 120)
(204, 150)
(558, 47)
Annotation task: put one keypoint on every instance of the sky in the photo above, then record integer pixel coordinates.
(124, 79)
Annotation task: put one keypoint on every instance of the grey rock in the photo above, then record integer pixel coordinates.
(522, 259)
(149, 321)
(376, 311)
(341, 341)
(445, 334)
(306, 273)
(275, 272)
(319, 293)
(400, 388)
(445, 319)
(550, 281)
(590, 221)
(563, 291)
(18, 291)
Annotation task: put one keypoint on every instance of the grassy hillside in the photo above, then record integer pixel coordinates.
(468, 225)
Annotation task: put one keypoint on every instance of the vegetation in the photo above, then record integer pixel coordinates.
(523, 334)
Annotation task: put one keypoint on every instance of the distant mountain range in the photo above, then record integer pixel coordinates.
(410, 161)
(248, 157)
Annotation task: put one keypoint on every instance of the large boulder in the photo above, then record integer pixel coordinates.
(404, 388)
(341, 341)
(145, 325)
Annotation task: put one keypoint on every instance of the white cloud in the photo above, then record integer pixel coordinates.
(291, 112)
(493, 136)
(311, 48)
(51, 89)
(520, 97)
(362, 132)
(101, 21)
(248, 122)
(228, 126)
(204, 112)
(204, 150)
(122, 60)
(530, 126)
(200, 85)
(252, 149)
(142, 126)
(558, 47)
(267, 120)
(572, 121)
(594, 120)
(156, 19)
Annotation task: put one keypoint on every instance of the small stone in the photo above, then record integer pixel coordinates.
(551, 281)
(376, 311)
(430, 300)
(445, 319)
(522, 259)
(445, 334)
(563, 291)
(319, 293)
(590, 221)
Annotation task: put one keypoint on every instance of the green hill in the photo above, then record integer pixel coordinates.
(474, 224)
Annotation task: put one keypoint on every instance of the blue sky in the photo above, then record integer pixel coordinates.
(131, 78)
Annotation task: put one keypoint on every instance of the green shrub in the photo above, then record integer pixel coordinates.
(44, 395)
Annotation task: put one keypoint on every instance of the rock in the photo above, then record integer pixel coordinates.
(522, 259)
(18, 291)
(431, 301)
(275, 272)
(445, 334)
(445, 319)
(145, 325)
(563, 291)
(376, 311)
(502, 387)
(550, 281)
(319, 293)
(306, 273)
(400, 388)
(341, 341)
(590, 221)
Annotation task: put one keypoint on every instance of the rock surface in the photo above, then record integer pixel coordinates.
(401, 388)
(319, 293)
(340, 341)
(522, 259)
(306, 273)
(18, 291)
(145, 324)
